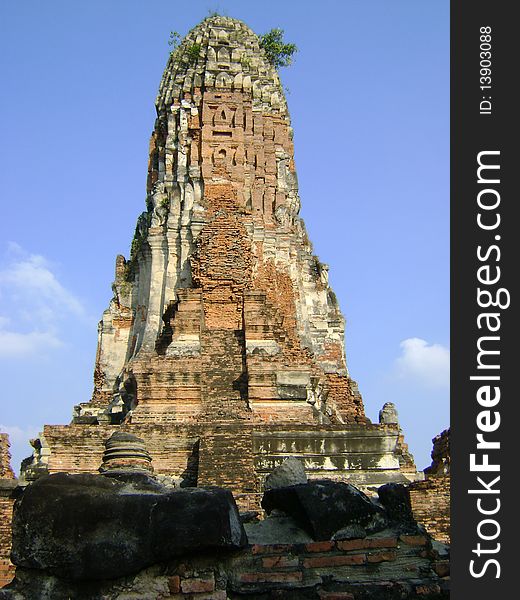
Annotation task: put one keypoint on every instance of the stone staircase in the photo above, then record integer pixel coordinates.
(224, 376)
(263, 320)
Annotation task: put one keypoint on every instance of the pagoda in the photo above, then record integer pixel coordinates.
(223, 345)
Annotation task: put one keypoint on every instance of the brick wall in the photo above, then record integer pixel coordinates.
(377, 568)
(6, 472)
(430, 499)
(238, 454)
(6, 515)
(7, 486)
(440, 455)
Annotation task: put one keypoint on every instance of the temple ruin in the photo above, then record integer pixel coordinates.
(223, 345)
(222, 348)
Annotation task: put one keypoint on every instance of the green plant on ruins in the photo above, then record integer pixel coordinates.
(175, 40)
(277, 51)
(193, 53)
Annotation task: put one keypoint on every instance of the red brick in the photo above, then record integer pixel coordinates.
(367, 543)
(271, 548)
(335, 561)
(273, 562)
(352, 545)
(382, 543)
(293, 577)
(194, 585)
(377, 557)
(174, 584)
(414, 540)
(319, 546)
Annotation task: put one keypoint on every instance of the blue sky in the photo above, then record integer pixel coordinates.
(369, 100)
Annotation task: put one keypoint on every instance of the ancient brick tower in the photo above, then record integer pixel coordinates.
(223, 346)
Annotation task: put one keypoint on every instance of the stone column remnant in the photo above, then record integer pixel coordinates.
(125, 452)
(388, 414)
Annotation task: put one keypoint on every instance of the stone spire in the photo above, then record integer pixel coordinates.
(222, 348)
(222, 311)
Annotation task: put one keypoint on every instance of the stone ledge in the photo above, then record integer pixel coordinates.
(8, 485)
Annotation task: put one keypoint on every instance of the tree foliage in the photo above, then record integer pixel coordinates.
(277, 51)
(175, 40)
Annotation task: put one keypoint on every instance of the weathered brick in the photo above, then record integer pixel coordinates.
(274, 562)
(430, 499)
(174, 584)
(198, 584)
(320, 546)
(6, 510)
(347, 545)
(414, 540)
(376, 557)
(289, 577)
(6, 471)
(388, 542)
(335, 561)
(364, 544)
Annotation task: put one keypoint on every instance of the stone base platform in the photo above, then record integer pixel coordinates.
(237, 456)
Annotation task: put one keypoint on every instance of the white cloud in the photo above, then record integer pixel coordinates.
(18, 434)
(424, 363)
(31, 274)
(35, 304)
(14, 344)
(19, 440)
